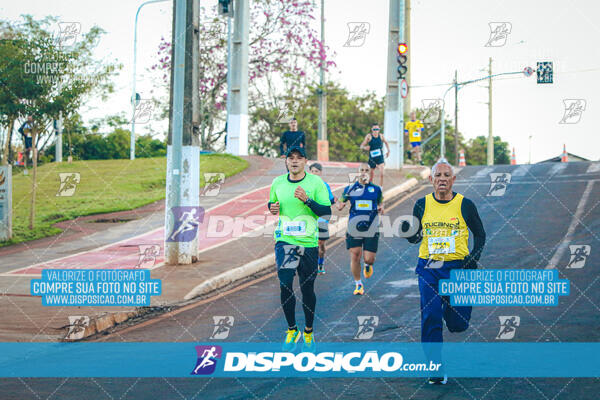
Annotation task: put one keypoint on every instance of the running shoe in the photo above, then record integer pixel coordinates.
(309, 343)
(437, 380)
(359, 289)
(368, 270)
(291, 338)
(321, 270)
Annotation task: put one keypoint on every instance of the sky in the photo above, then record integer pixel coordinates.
(445, 36)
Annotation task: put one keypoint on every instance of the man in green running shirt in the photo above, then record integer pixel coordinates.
(299, 198)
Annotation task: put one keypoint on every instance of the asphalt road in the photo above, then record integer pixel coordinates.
(544, 209)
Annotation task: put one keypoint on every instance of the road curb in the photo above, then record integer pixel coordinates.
(227, 278)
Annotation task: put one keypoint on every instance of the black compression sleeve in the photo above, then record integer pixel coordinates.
(319, 209)
(269, 205)
(418, 211)
(471, 216)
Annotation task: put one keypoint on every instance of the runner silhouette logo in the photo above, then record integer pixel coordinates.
(207, 359)
(366, 326)
(186, 221)
(579, 254)
(508, 326)
(223, 325)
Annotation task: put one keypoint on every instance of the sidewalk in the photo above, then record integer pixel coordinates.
(235, 244)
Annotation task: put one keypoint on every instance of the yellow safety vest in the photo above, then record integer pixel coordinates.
(445, 232)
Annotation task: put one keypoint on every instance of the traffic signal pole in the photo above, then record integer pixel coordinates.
(322, 143)
(394, 116)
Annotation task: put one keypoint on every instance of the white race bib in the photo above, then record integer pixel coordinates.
(294, 228)
(416, 134)
(441, 245)
(363, 205)
(375, 153)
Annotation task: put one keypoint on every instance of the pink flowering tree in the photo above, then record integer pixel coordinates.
(285, 55)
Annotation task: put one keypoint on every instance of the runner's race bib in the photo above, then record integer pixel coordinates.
(375, 153)
(415, 134)
(365, 205)
(441, 245)
(294, 228)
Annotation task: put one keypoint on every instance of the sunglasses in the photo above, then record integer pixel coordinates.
(375, 129)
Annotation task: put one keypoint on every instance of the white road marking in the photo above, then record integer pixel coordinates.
(483, 172)
(521, 170)
(557, 168)
(564, 245)
(594, 167)
(404, 283)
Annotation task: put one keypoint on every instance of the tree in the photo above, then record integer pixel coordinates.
(349, 119)
(476, 151)
(43, 76)
(283, 48)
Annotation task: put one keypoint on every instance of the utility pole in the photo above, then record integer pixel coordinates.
(394, 115)
(490, 143)
(408, 43)
(456, 115)
(182, 211)
(58, 144)
(237, 121)
(323, 143)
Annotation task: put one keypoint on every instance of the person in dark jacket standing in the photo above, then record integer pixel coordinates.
(291, 138)
(26, 130)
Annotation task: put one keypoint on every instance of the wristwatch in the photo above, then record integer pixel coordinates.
(307, 202)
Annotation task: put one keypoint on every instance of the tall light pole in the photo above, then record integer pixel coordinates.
(490, 143)
(322, 143)
(133, 95)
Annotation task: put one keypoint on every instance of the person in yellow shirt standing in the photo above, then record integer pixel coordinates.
(414, 129)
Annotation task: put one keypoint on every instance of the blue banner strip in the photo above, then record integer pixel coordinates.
(349, 359)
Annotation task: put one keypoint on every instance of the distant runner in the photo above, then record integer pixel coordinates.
(291, 138)
(317, 169)
(299, 198)
(445, 218)
(365, 201)
(373, 143)
(413, 129)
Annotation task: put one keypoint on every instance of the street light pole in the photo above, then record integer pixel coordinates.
(459, 86)
(133, 96)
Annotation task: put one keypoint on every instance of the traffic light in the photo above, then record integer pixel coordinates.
(402, 60)
(226, 7)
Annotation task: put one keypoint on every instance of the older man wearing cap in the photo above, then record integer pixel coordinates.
(299, 198)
